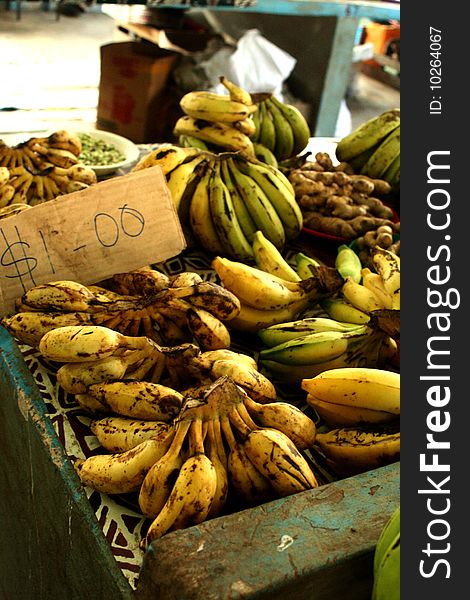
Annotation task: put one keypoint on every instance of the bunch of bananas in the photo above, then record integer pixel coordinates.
(280, 127)
(168, 310)
(362, 405)
(222, 445)
(306, 347)
(216, 121)
(387, 561)
(367, 293)
(373, 148)
(222, 200)
(267, 298)
(41, 169)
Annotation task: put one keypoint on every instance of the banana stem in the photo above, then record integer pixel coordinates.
(228, 433)
(245, 416)
(196, 439)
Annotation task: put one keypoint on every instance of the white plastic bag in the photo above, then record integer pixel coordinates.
(256, 65)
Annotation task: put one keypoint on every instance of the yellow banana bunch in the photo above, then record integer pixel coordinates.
(352, 450)
(280, 127)
(353, 396)
(119, 434)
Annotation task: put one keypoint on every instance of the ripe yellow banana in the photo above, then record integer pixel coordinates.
(341, 415)
(387, 264)
(119, 434)
(216, 299)
(122, 472)
(29, 327)
(285, 417)
(217, 455)
(255, 287)
(269, 259)
(157, 485)
(180, 179)
(253, 319)
(345, 312)
(59, 295)
(237, 93)
(374, 389)
(138, 399)
(220, 134)
(76, 378)
(256, 385)
(209, 332)
(215, 107)
(360, 297)
(277, 458)
(249, 485)
(350, 450)
(167, 157)
(80, 343)
(208, 357)
(374, 283)
(190, 499)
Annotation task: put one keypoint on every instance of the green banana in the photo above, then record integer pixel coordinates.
(264, 154)
(267, 131)
(348, 263)
(298, 123)
(258, 204)
(225, 219)
(384, 156)
(343, 311)
(189, 141)
(283, 332)
(284, 202)
(386, 585)
(367, 135)
(392, 174)
(284, 135)
(255, 136)
(303, 264)
(246, 222)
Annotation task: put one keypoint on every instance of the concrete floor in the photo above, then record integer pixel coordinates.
(50, 71)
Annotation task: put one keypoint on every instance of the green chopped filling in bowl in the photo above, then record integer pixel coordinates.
(96, 152)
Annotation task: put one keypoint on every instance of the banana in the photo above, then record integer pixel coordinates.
(59, 157)
(167, 157)
(184, 279)
(310, 349)
(237, 93)
(303, 264)
(363, 387)
(119, 434)
(350, 450)
(7, 192)
(215, 107)
(249, 485)
(243, 216)
(298, 123)
(284, 135)
(387, 264)
(66, 141)
(225, 219)
(251, 319)
(79, 343)
(4, 176)
(295, 373)
(209, 332)
(387, 579)
(384, 156)
(348, 263)
(392, 174)
(259, 206)
(267, 130)
(247, 126)
(75, 378)
(119, 473)
(138, 399)
(281, 196)
(181, 178)
(189, 141)
(345, 312)
(269, 259)
(81, 173)
(289, 330)
(374, 283)
(387, 537)
(220, 134)
(264, 154)
(255, 136)
(200, 218)
(61, 295)
(367, 135)
(190, 499)
(216, 299)
(257, 288)
(210, 356)
(360, 297)
(158, 482)
(285, 417)
(29, 327)
(217, 456)
(341, 415)
(254, 383)
(277, 458)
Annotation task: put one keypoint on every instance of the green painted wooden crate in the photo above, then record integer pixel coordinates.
(317, 545)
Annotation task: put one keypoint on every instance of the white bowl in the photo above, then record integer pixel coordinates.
(128, 148)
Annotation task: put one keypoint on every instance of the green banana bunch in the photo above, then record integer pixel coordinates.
(280, 127)
(304, 348)
(373, 149)
(387, 561)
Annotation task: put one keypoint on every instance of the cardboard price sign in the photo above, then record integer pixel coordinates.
(113, 226)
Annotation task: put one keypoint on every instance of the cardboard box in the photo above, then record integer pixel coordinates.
(133, 90)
